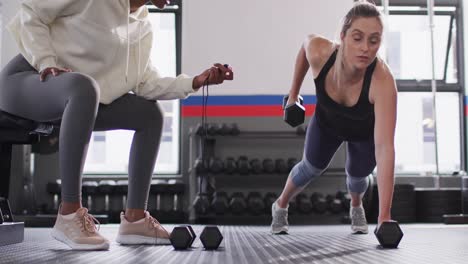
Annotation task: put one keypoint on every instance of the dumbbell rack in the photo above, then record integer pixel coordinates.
(272, 181)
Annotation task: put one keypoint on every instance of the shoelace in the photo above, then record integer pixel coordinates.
(89, 223)
(358, 216)
(154, 224)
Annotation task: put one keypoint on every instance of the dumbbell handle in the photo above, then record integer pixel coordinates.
(286, 98)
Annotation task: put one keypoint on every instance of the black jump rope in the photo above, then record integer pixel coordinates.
(204, 118)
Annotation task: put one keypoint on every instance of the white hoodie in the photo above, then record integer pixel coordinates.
(90, 37)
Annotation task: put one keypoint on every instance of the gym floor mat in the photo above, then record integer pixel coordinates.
(422, 243)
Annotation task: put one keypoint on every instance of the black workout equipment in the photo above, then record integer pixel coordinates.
(345, 199)
(319, 203)
(211, 237)
(182, 237)
(201, 204)
(89, 189)
(268, 166)
(237, 204)
(294, 114)
(256, 166)
(214, 129)
(106, 187)
(216, 165)
(243, 166)
(334, 205)
(281, 166)
(220, 203)
(55, 189)
(230, 165)
(201, 166)
(389, 234)
(255, 203)
(291, 163)
(269, 199)
(303, 204)
(235, 131)
(10, 232)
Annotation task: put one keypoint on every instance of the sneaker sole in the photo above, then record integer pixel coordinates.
(360, 231)
(141, 240)
(60, 236)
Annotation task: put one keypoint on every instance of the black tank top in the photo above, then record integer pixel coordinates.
(352, 123)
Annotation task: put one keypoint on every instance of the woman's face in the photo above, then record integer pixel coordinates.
(362, 42)
(160, 3)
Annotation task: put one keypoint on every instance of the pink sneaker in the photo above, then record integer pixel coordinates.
(78, 231)
(144, 231)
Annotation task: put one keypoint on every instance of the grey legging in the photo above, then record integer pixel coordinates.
(73, 98)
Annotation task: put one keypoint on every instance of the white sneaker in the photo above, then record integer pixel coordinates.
(144, 231)
(358, 220)
(279, 223)
(79, 232)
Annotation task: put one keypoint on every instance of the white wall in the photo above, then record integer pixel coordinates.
(9, 49)
(259, 38)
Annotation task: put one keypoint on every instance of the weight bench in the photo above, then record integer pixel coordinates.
(14, 130)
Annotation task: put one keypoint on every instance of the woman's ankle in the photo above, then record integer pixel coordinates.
(69, 208)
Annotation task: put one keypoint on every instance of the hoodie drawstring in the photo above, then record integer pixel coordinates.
(128, 42)
(128, 49)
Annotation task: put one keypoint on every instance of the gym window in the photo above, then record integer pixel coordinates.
(109, 151)
(409, 56)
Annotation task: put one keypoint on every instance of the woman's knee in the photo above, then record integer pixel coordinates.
(82, 86)
(357, 184)
(154, 116)
(304, 172)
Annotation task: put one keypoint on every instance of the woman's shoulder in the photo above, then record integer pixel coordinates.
(382, 72)
(318, 49)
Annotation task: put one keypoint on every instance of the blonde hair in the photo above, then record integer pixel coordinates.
(361, 8)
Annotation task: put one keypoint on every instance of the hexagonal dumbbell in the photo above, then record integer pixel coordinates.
(211, 237)
(182, 237)
(389, 234)
(294, 114)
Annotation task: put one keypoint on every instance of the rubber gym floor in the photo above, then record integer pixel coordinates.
(422, 243)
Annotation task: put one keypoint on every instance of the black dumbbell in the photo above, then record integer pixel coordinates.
(291, 163)
(230, 165)
(175, 188)
(256, 166)
(281, 166)
(334, 205)
(106, 187)
(234, 129)
(158, 187)
(294, 114)
(243, 166)
(89, 188)
(319, 203)
(220, 203)
(201, 166)
(269, 199)
(345, 199)
(55, 189)
(216, 165)
(199, 130)
(237, 204)
(121, 189)
(182, 237)
(214, 129)
(303, 204)
(225, 130)
(255, 203)
(201, 204)
(268, 165)
(211, 237)
(389, 234)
